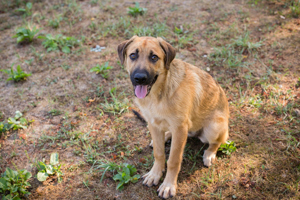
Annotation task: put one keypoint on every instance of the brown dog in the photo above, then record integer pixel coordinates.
(177, 99)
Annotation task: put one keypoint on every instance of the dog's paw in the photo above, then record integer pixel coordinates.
(152, 177)
(208, 158)
(167, 190)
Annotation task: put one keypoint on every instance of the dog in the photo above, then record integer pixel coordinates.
(177, 100)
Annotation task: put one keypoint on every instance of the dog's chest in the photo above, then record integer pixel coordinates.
(156, 114)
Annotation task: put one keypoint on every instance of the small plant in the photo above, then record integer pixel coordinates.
(49, 170)
(27, 10)
(54, 112)
(137, 10)
(295, 9)
(243, 43)
(54, 23)
(13, 184)
(26, 35)
(116, 106)
(125, 173)
(178, 30)
(228, 148)
(16, 76)
(15, 123)
(59, 42)
(103, 69)
(18, 121)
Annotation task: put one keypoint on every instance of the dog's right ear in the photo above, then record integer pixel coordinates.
(122, 48)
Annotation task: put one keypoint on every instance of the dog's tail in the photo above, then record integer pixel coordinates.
(139, 116)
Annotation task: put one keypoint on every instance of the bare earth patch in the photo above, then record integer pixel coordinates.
(250, 47)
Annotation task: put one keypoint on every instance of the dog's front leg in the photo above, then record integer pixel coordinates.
(155, 173)
(168, 187)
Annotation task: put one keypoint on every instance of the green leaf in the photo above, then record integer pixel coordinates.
(66, 49)
(135, 178)
(29, 5)
(49, 169)
(42, 176)
(18, 113)
(3, 184)
(117, 177)
(54, 159)
(120, 186)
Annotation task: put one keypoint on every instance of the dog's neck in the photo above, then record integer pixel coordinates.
(168, 82)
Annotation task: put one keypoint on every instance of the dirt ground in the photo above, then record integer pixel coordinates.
(251, 48)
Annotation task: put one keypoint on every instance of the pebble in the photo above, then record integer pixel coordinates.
(97, 49)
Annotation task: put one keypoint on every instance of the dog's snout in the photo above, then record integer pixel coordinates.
(140, 78)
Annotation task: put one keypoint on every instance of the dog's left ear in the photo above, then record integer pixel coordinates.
(122, 48)
(170, 52)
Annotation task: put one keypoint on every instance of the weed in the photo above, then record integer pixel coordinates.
(59, 42)
(27, 10)
(243, 43)
(103, 69)
(116, 106)
(49, 170)
(94, 2)
(16, 76)
(295, 9)
(54, 23)
(13, 184)
(55, 112)
(228, 147)
(26, 35)
(136, 10)
(15, 124)
(125, 173)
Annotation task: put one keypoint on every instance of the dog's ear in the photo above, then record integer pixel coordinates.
(170, 52)
(122, 48)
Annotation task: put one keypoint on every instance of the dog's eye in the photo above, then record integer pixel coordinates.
(154, 58)
(132, 56)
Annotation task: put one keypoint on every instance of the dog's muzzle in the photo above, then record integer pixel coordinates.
(141, 91)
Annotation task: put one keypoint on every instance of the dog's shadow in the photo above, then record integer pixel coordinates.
(192, 156)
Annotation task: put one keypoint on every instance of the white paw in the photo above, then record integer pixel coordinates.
(167, 190)
(152, 177)
(208, 157)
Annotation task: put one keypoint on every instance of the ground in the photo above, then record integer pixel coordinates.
(250, 47)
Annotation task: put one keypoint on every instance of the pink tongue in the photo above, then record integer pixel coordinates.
(141, 91)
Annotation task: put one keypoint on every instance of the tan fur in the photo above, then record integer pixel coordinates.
(184, 100)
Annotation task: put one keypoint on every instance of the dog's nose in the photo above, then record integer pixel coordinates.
(140, 78)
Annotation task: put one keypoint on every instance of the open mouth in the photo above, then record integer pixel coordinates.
(141, 91)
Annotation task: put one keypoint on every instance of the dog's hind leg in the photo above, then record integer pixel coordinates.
(215, 133)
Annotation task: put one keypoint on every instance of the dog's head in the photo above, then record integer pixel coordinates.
(145, 59)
